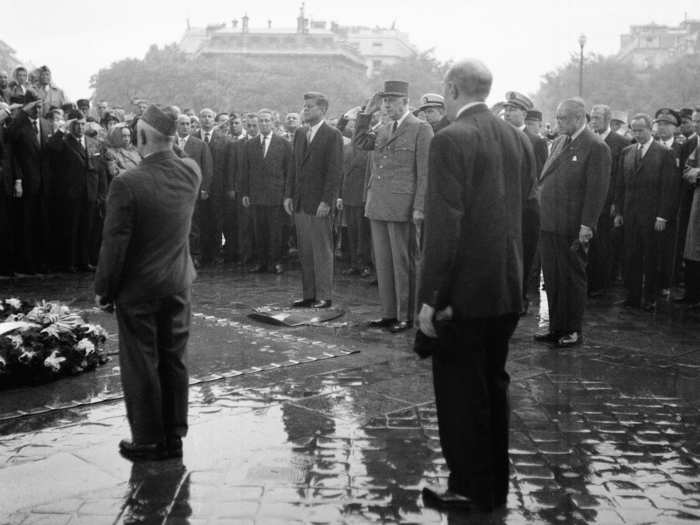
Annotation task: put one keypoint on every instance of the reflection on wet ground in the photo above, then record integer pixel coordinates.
(606, 433)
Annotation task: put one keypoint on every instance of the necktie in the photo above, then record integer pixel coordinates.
(638, 156)
(207, 138)
(263, 141)
(394, 126)
(36, 131)
(308, 135)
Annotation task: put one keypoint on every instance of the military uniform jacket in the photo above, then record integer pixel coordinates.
(145, 252)
(574, 184)
(264, 177)
(398, 167)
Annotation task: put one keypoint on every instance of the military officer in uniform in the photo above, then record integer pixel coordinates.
(395, 198)
(433, 107)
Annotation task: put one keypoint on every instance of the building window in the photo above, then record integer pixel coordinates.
(376, 64)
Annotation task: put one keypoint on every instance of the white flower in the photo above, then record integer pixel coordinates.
(26, 356)
(85, 345)
(95, 329)
(54, 361)
(16, 340)
(14, 303)
(52, 330)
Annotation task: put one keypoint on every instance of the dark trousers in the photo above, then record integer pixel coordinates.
(692, 281)
(315, 242)
(245, 233)
(531, 233)
(210, 226)
(152, 344)
(600, 256)
(641, 258)
(685, 203)
(196, 229)
(79, 216)
(471, 396)
(7, 247)
(32, 238)
(564, 270)
(665, 254)
(267, 222)
(229, 226)
(359, 237)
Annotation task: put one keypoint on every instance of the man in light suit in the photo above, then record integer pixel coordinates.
(195, 149)
(145, 270)
(311, 191)
(395, 198)
(481, 182)
(572, 190)
(268, 162)
(646, 199)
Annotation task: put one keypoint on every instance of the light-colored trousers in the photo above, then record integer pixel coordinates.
(315, 243)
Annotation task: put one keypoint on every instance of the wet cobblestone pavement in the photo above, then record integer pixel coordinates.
(336, 423)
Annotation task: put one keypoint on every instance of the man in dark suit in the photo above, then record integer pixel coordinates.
(602, 254)
(75, 159)
(572, 190)
(145, 270)
(481, 181)
(395, 199)
(6, 195)
(645, 199)
(195, 149)
(310, 193)
(268, 163)
(220, 189)
(28, 137)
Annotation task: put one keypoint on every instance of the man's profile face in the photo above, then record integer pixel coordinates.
(206, 120)
(598, 121)
(514, 115)
(311, 111)
(265, 123)
(640, 131)
(183, 126)
(433, 115)
(395, 107)
(567, 122)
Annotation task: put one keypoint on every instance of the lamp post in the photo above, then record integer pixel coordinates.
(581, 43)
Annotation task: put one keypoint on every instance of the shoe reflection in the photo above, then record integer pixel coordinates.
(159, 489)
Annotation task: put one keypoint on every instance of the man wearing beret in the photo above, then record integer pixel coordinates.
(433, 107)
(645, 201)
(516, 107)
(395, 199)
(28, 136)
(146, 271)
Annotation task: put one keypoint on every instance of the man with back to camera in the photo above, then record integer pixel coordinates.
(481, 182)
(145, 271)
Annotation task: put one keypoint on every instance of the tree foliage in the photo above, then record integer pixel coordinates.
(609, 81)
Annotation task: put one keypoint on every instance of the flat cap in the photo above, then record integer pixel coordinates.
(520, 101)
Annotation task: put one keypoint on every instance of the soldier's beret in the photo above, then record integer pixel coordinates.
(431, 100)
(667, 115)
(520, 101)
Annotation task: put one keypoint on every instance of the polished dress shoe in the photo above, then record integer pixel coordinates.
(400, 326)
(257, 268)
(142, 451)
(547, 337)
(445, 499)
(384, 322)
(303, 303)
(279, 269)
(569, 340)
(323, 303)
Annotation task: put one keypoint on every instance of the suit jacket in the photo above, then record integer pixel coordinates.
(317, 169)
(482, 179)
(649, 189)
(221, 162)
(539, 146)
(440, 124)
(574, 184)
(616, 143)
(399, 167)
(77, 169)
(30, 158)
(198, 151)
(265, 178)
(145, 250)
(354, 170)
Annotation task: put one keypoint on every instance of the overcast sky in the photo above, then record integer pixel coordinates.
(519, 40)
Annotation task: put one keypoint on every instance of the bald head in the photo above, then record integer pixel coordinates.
(468, 80)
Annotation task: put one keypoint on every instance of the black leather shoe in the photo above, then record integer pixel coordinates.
(400, 326)
(303, 303)
(548, 337)
(445, 499)
(384, 322)
(142, 451)
(323, 303)
(569, 340)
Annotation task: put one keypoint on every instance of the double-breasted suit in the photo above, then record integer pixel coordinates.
(30, 164)
(145, 268)
(572, 189)
(396, 189)
(481, 182)
(315, 178)
(646, 190)
(195, 149)
(268, 163)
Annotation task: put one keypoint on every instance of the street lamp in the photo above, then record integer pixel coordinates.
(581, 43)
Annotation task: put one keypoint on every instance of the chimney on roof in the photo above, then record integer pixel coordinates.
(244, 23)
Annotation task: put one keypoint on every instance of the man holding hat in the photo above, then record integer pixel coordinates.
(395, 199)
(433, 107)
(145, 269)
(516, 108)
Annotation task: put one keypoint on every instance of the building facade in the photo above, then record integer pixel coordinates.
(651, 45)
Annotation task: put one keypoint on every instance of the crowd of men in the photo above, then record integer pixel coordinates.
(58, 160)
